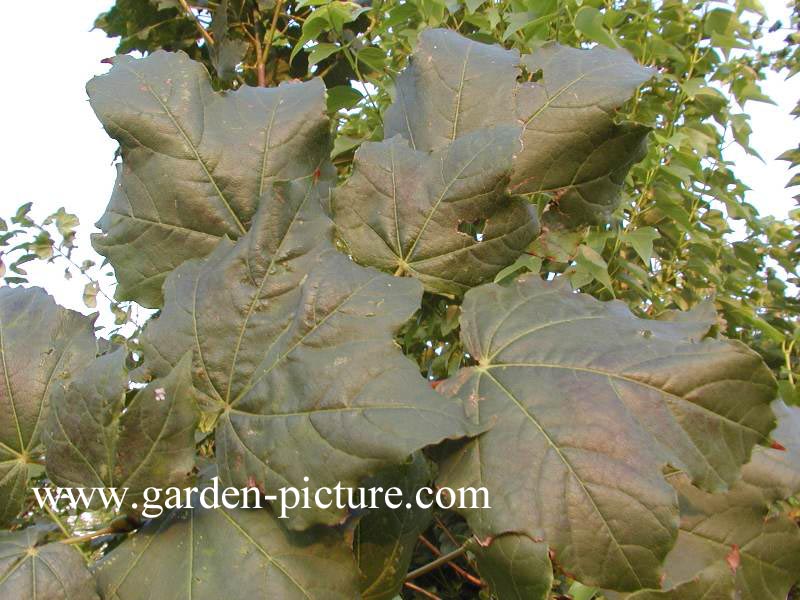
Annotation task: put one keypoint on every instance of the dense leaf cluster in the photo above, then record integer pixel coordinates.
(623, 455)
(682, 231)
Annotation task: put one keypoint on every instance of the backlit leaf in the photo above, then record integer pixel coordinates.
(590, 261)
(589, 21)
(641, 239)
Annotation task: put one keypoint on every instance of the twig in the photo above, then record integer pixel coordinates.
(353, 60)
(90, 279)
(466, 575)
(442, 560)
(297, 18)
(787, 353)
(419, 590)
(206, 36)
(261, 73)
(444, 528)
(262, 61)
(453, 540)
(78, 539)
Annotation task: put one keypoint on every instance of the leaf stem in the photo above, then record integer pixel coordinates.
(787, 353)
(465, 574)
(261, 73)
(453, 540)
(353, 60)
(442, 560)
(89, 278)
(422, 591)
(78, 539)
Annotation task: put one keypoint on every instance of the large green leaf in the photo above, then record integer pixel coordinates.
(385, 538)
(194, 162)
(95, 439)
(31, 569)
(293, 350)
(452, 86)
(401, 209)
(515, 567)
(208, 554)
(733, 545)
(572, 147)
(40, 345)
(588, 403)
(270, 263)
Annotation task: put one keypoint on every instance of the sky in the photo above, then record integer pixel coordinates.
(55, 153)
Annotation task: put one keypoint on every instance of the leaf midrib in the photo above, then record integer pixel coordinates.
(257, 294)
(8, 387)
(56, 575)
(251, 384)
(460, 92)
(189, 144)
(264, 552)
(266, 150)
(165, 225)
(151, 538)
(571, 469)
(12, 569)
(631, 380)
(441, 197)
(175, 397)
(560, 92)
(742, 549)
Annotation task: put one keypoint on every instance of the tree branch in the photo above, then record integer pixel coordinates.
(261, 59)
(207, 36)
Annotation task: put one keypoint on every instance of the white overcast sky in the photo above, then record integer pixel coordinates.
(54, 152)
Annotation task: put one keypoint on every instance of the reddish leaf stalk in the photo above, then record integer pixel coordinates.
(466, 575)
